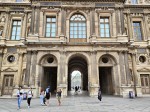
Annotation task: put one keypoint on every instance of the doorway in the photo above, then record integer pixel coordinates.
(145, 83)
(8, 84)
(105, 80)
(50, 79)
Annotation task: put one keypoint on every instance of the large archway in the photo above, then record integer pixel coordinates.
(78, 64)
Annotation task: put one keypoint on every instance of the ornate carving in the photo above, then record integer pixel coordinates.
(125, 25)
(148, 21)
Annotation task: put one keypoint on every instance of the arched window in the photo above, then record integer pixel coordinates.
(77, 26)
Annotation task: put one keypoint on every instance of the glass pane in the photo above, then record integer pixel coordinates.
(53, 30)
(53, 19)
(13, 33)
(48, 19)
(53, 25)
(14, 28)
(18, 33)
(107, 35)
(106, 25)
(17, 37)
(47, 29)
(71, 28)
(53, 34)
(75, 28)
(101, 25)
(19, 29)
(106, 19)
(48, 25)
(102, 35)
(19, 22)
(14, 22)
(75, 24)
(71, 36)
(102, 30)
(107, 31)
(71, 32)
(47, 34)
(101, 20)
(75, 32)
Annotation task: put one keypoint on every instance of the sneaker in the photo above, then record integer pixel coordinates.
(28, 106)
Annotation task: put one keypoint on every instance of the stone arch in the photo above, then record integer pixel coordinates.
(111, 59)
(80, 62)
(77, 12)
(43, 58)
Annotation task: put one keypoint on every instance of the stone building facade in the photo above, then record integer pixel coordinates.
(43, 41)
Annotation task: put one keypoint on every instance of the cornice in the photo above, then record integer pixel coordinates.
(78, 0)
(15, 4)
(136, 6)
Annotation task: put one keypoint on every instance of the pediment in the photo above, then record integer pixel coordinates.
(143, 70)
(9, 70)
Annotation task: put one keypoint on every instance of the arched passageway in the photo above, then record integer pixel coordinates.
(78, 64)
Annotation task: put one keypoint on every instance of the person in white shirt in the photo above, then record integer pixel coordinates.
(29, 97)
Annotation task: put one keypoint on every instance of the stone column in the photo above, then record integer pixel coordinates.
(127, 68)
(129, 26)
(63, 16)
(27, 74)
(134, 72)
(122, 21)
(19, 74)
(24, 26)
(122, 70)
(92, 22)
(33, 68)
(94, 75)
(36, 24)
(32, 20)
(1, 59)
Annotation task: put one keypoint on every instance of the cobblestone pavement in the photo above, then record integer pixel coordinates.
(80, 104)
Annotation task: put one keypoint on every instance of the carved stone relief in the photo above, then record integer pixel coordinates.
(125, 25)
(147, 1)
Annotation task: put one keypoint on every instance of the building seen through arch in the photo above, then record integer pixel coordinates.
(45, 42)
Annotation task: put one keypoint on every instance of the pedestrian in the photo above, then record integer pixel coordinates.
(58, 95)
(19, 97)
(29, 97)
(48, 95)
(42, 97)
(99, 94)
(76, 90)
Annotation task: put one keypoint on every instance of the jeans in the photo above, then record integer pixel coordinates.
(19, 101)
(41, 99)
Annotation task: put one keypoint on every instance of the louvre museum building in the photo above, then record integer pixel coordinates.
(43, 42)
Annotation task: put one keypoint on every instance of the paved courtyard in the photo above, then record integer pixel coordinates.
(80, 104)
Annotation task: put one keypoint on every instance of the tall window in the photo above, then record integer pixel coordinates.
(137, 31)
(133, 1)
(16, 30)
(50, 26)
(104, 27)
(77, 26)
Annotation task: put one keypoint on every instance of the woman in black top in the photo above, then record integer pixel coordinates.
(58, 95)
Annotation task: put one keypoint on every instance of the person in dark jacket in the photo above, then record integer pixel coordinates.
(99, 94)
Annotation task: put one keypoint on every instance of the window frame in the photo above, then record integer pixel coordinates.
(12, 26)
(104, 17)
(78, 27)
(141, 29)
(50, 16)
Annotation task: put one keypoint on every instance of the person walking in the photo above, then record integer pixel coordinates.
(19, 97)
(58, 95)
(42, 97)
(48, 95)
(29, 97)
(99, 94)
